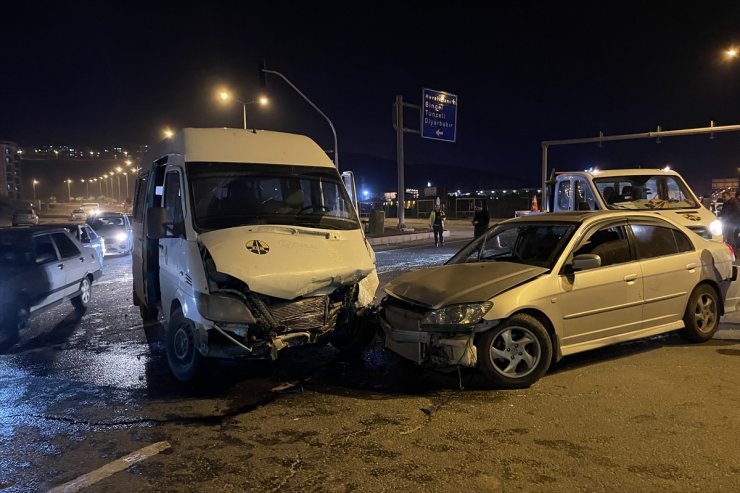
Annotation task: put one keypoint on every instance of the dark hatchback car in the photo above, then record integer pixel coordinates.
(41, 267)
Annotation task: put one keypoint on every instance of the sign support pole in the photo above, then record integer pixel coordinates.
(401, 194)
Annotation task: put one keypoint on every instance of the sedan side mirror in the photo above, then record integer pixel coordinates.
(586, 261)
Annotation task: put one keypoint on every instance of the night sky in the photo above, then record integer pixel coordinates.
(112, 73)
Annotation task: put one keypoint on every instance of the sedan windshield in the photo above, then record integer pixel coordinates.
(529, 243)
(226, 195)
(645, 192)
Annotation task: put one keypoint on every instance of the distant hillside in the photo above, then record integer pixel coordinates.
(380, 175)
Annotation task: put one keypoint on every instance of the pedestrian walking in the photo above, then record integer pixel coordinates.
(480, 220)
(730, 217)
(437, 222)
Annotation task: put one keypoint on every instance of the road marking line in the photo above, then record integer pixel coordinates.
(111, 468)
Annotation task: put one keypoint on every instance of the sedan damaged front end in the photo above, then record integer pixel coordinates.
(434, 338)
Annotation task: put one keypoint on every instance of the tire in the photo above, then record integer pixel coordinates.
(80, 302)
(148, 314)
(357, 334)
(16, 322)
(182, 351)
(701, 318)
(516, 353)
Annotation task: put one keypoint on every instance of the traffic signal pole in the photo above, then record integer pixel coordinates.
(711, 130)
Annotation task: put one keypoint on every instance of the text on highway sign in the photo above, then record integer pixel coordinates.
(439, 115)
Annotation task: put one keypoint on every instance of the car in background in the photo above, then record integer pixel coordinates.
(78, 215)
(86, 235)
(40, 267)
(534, 289)
(92, 208)
(115, 228)
(25, 217)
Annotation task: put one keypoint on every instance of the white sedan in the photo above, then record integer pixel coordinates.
(537, 288)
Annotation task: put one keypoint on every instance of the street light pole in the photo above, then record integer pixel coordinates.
(127, 195)
(334, 132)
(35, 182)
(69, 191)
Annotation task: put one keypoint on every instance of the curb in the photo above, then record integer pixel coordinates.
(727, 335)
(402, 238)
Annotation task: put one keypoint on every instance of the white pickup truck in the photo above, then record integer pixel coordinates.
(662, 191)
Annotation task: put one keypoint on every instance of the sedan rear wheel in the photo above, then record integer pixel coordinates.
(701, 318)
(81, 301)
(516, 353)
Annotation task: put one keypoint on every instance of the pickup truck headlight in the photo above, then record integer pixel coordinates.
(466, 314)
(122, 236)
(224, 308)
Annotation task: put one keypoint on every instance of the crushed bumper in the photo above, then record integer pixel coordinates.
(433, 349)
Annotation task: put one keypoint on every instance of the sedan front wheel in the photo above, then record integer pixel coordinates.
(516, 353)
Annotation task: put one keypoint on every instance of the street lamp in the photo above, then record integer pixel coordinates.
(168, 134)
(111, 183)
(103, 180)
(100, 185)
(35, 182)
(118, 176)
(127, 194)
(226, 96)
(87, 187)
(732, 52)
(69, 190)
(333, 131)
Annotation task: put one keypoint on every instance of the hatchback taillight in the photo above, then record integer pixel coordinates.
(732, 250)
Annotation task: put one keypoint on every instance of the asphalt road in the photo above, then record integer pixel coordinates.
(78, 394)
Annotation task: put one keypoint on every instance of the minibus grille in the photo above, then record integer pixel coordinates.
(304, 314)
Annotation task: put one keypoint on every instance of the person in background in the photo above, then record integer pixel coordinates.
(437, 222)
(730, 216)
(480, 220)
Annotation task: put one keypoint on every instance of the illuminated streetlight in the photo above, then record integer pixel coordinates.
(168, 134)
(111, 184)
(87, 187)
(35, 182)
(118, 176)
(126, 175)
(69, 190)
(226, 96)
(732, 52)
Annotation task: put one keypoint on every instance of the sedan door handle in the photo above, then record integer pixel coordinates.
(691, 266)
(161, 247)
(61, 266)
(82, 259)
(630, 277)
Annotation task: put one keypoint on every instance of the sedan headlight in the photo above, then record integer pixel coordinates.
(224, 308)
(465, 314)
(122, 236)
(715, 227)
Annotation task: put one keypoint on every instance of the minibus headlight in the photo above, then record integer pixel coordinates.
(224, 308)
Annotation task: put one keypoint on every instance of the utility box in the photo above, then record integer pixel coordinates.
(376, 223)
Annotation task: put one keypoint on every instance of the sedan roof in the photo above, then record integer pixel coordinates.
(584, 216)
